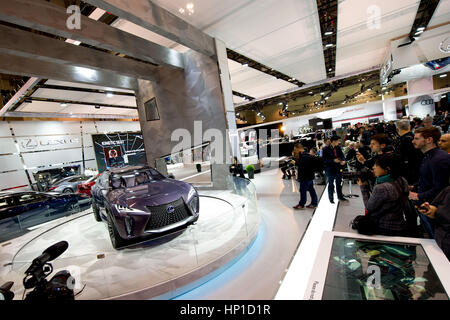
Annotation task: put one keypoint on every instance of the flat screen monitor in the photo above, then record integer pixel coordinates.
(397, 272)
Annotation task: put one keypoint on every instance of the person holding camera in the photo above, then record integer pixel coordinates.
(379, 144)
(384, 205)
(439, 211)
(334, 160)
(307, 165)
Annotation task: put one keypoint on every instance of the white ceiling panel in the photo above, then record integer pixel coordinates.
(441, 15)
(40, 106)
(255, 83)
(237, 99)
(361, 41)
(282, 35)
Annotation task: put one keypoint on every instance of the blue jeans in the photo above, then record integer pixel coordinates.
(332, 177)
(308, 186)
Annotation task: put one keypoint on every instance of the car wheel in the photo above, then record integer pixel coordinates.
(96, 213)
(67, 190)
(116, 240)
(75, 207)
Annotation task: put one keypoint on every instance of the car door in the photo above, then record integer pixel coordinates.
(36, 209)
(10, 226)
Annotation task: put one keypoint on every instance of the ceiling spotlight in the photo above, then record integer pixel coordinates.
(109, 94)
(322, 93)
(326, 98)
(418, 32)
(330, 69)
(181, 10)
(328, 33)
(329, 45)
(245, 65)
(63, 104)
(97, 107)
(310, 92)
(420, 28)
(443, 75)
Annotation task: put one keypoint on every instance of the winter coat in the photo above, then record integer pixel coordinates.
(384, 206)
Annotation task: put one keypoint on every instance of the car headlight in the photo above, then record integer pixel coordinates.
(192, 193)
(125, 209)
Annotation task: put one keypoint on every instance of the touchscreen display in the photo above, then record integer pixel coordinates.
(375, 270)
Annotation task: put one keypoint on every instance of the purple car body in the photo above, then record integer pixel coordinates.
(138, 201)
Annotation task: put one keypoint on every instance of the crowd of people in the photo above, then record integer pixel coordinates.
(402, 168)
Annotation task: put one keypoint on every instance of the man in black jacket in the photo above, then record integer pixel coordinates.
(306, 166)
(411, 157)
(333, 159)
(439, 210)
(434, 171)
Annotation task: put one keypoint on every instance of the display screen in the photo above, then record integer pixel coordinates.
(118, 149)
(372, 270)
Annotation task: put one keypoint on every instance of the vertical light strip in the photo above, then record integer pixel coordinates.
(295, 282)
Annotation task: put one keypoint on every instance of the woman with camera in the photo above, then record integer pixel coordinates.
(385, 204)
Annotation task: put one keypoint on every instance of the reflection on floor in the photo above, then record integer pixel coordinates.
(111, 273)
(188, 173)
(258, 273)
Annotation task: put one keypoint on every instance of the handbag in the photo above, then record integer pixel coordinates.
(364, 225)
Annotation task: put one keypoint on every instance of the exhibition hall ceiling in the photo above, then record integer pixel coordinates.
(283, 35)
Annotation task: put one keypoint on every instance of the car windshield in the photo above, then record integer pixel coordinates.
(136, 178)
(61, 180)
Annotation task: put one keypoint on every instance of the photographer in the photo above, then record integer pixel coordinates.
(384, 205)
(307, 165)
(334, 160)
(379, 144)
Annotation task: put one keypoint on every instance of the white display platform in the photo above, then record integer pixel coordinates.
(158, 267)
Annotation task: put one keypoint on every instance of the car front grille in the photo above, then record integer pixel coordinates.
(160, 218)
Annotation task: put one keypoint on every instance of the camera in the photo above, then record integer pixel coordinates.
(58, 288)
(364, 175)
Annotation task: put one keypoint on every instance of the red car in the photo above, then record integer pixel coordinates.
(85, 187)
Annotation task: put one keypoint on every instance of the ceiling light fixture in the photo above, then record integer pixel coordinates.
(322, 93)
(63, 104)
(420, 28)
(329, 45)
(328, 33)
(245, 65)
(443, 75)
(109, 94)
(417, 33)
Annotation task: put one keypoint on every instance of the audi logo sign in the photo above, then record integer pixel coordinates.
(426, 102)
(444, 46)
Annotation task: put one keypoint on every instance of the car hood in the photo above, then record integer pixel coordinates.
(154, 193)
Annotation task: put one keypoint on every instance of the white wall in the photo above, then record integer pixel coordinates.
(31, 146)
(353, 114)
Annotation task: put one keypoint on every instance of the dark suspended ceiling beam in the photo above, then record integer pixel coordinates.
(87, 90)
(154, 18)
(423, 16)
(95, 104)
(327, 11)
(50, 18)
(29, 45)
(17, 65)
(233, 55)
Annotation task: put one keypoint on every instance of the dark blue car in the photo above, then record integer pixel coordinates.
(21, 212)
(139, 201)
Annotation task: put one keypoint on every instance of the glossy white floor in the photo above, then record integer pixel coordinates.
(142, 271)
(257, 274)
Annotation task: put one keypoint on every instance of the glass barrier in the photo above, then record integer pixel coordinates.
(27, 211)
(228, 223)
